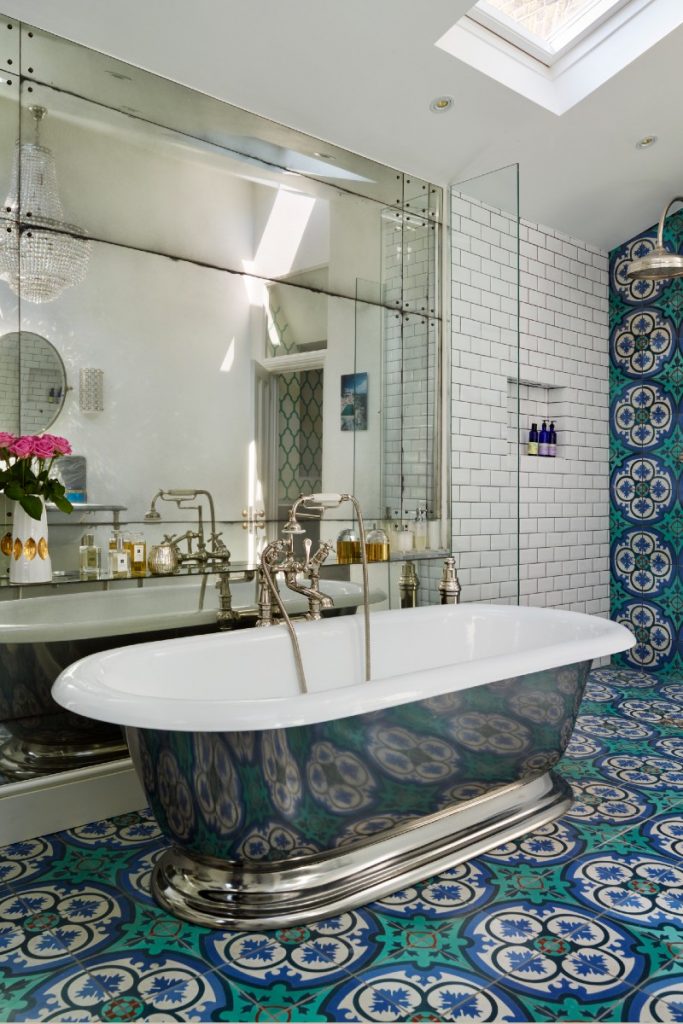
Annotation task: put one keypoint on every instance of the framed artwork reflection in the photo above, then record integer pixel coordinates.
(354, 401)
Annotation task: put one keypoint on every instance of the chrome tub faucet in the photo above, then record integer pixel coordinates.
(215, 550)
(278, 557)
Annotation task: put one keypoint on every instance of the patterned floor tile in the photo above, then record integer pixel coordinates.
(31, 941)
(579, 920)
(299, 959)
(61, 921)
(555, 950)
(663, 834)
(401, 992)
(635, 888)
(68, 993)
(555, 1008)
(658, 999)
(31, 858)
(453, 893)
(142, 985)
(552, 844)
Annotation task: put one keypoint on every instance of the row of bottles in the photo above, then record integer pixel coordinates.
(543, 443)
(126, 556)
(419, 534)
(349, 546)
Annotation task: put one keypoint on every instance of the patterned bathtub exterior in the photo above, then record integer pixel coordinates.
(276, 794)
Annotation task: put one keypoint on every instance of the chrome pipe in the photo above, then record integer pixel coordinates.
(279, 547)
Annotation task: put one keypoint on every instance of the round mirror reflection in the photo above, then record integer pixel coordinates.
(32, 383)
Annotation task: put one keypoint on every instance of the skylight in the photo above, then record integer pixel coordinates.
(557, 52)
(545, 29)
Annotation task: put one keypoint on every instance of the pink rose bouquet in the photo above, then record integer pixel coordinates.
(25, 466)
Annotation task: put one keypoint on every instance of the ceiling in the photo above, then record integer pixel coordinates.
(362, 75)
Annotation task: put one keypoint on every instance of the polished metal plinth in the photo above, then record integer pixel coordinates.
(22, 759)
(278, 894)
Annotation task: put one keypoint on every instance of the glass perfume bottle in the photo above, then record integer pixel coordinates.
(377, 545)
(404, 539)
(119, 558)
(348, 546)
(137, 548)
(89, 558)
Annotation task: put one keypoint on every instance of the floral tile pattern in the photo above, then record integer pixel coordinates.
(580, 920)
(646, 445)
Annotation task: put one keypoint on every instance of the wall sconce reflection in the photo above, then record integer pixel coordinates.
(91, 390)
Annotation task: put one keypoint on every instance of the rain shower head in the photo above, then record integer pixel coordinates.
(659, 264)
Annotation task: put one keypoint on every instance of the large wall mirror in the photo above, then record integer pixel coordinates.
(235, 277)
(259, 309)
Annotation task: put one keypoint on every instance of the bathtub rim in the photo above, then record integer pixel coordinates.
(59, 627)
(83, 688)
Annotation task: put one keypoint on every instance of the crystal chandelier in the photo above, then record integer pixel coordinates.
(40, 254)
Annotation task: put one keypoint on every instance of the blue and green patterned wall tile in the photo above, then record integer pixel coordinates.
(646, 455)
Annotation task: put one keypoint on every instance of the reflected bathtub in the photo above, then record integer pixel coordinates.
(41, 636)
(282, 807)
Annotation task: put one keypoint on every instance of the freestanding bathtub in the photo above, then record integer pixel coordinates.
(285, 806)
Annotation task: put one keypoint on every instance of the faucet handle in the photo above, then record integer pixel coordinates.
(322, 553)
(308, 544)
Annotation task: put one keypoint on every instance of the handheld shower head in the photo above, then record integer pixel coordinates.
(152, 516)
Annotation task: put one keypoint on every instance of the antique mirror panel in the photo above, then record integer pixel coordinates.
(209, 264)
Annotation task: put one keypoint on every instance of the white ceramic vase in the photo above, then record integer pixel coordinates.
(30, 558)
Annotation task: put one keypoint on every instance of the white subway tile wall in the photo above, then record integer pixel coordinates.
(563, 375)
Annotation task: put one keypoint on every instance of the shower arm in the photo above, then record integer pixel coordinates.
(660, 229)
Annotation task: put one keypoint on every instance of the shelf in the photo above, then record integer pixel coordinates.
(545, 385)
(540, 462)
(235, 569)
(398, 556)
(73, 576)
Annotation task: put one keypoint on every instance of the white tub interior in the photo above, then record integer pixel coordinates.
(247, 680)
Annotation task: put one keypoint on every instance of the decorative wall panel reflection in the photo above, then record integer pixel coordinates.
(646, 455)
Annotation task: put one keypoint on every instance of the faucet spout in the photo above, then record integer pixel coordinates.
(317, 601)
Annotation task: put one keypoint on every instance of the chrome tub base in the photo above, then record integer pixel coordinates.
(278, 894)
(22, 759)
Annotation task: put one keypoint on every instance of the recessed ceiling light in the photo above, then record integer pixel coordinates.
(646, 142)
(441, 104)
(323, 156)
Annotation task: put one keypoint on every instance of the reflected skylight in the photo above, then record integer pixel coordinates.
(544, 28)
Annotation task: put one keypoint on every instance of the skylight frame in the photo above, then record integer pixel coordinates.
(573, 32)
